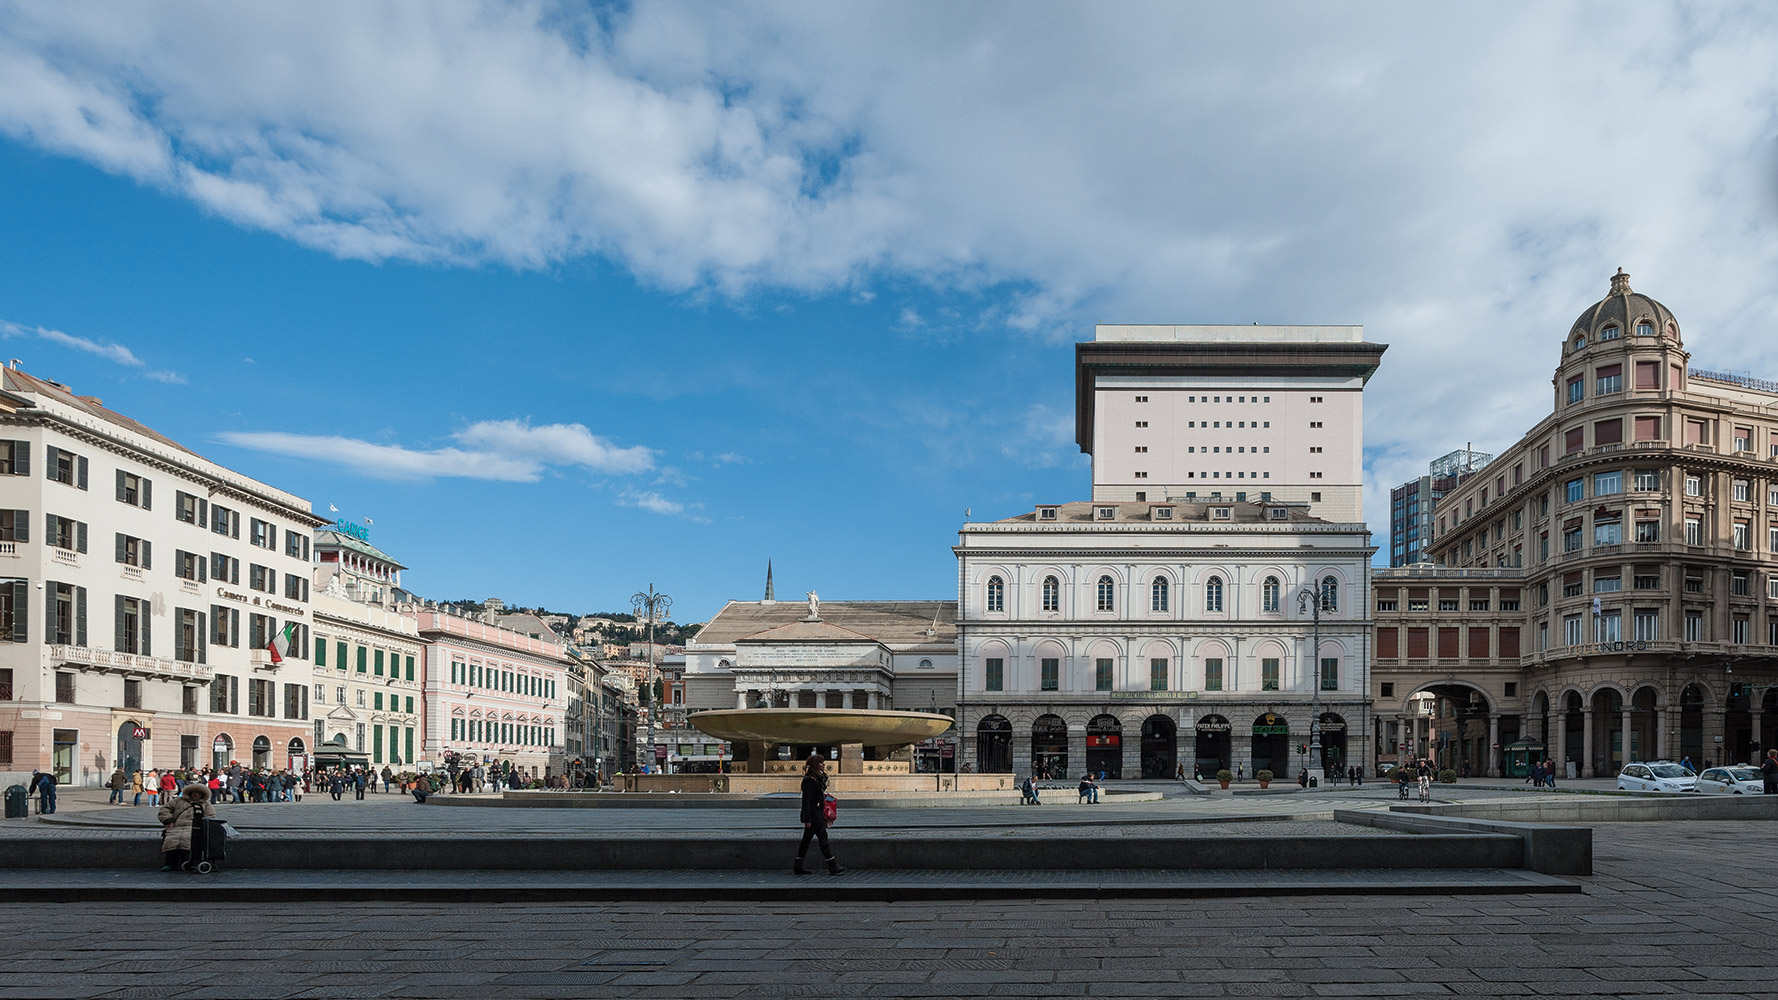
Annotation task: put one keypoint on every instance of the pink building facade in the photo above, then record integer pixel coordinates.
(492, 695)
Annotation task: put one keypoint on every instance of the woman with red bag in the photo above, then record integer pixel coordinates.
(816, 804)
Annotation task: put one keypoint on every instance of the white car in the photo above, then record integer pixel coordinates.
(1656, 777)
(1736, 779)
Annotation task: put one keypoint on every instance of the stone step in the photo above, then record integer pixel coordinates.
(483, 886)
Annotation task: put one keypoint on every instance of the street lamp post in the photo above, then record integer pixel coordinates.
(1309, 597)
(650, 607)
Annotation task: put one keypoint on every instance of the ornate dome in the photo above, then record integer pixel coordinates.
(1622, 309)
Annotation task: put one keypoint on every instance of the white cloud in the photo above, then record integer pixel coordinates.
(503, 450)
(654, 503)
(109, 350)
(1301, 163)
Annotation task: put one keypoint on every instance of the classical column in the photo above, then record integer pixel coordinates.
(1586, 741)
(1714, 745)
(1662, 751)
(1493, 770)
(1626, 758)
(1021, 750)
(1758, 745)
(1559, 752)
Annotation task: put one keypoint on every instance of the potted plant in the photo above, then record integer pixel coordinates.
(1265, 778)
(1448, 776)
(1225, 776)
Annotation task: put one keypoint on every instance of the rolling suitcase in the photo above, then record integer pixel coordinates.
(209, 844)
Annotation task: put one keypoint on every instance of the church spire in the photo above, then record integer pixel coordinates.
(769, 598)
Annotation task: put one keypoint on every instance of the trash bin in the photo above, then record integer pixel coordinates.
(17, 802)
(1314, 782)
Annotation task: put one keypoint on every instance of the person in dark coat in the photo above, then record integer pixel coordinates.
(815, 815)
(1768, 770)
(358, 785)
(176, 819)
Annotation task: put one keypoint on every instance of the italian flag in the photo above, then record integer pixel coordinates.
(280, 643)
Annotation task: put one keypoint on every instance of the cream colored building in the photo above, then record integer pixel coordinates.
(1607, 588)
(1181, 413)
(367, 681)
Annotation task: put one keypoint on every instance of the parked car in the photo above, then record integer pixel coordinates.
(1660, 776)
(1736, 779)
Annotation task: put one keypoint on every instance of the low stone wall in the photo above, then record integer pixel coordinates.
(1551, 850)
(839, 784)
(1563, 808)
(512, 853)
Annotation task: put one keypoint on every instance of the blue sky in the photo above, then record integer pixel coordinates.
(573, 300)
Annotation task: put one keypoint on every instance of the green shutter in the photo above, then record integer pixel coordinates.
(321, 653)
(379, 659)
(339, 659)
(376, 744)
(410, 668)
(363, 659)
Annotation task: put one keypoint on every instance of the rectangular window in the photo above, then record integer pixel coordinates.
(1330, 673)
(1608, 627)
(1648, 374)
(1608, 432)
(1743, 490)
(263, 534)
(1577, 388)
(1738, 631)
(134, 490)
(64, 688)
(1607, 584)
(1647, 624)
(1157, 674)
(1571, 539)
(65, 467)
(1576, 490)
(1647, 481)
(1509, 642)
(1694, 531)
(1740, 583)
(1743, 439)
(1573, 440)
(1447, 643)
(994, 674)
(1694, 626)
(1102, 674)
(1268, 668)
(1571, 633)
(1648, 531)
(296, 587)
(1694, 486)
(377, 658)
(1213, 673)
(363, 659)
(1607, 531)
(224, 521)
(134, 552)
(1697, 432)
(1418, 643)
(133, 626)
(15, 458)
(1607, 483)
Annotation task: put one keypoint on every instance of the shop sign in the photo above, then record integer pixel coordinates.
(660, 751)
(1333, 727)
(1627, 646)
(1103, 739)
(1213, 727)
(351, 530)
(138, 733)
(1271, 724)
(1151, 695)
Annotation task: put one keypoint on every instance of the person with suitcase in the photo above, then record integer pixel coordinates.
(180, 820)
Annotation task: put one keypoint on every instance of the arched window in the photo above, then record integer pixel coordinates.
(1330, 594)
(1157, 595)
(996, 594)
(1645, 329)
(1609, 333)
(1052, 594)
(1107, 594)
(1213, 594)
(1270, 593)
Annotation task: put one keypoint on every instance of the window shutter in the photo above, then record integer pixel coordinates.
(234, 527)
(50, 452)
(179, 647)
(142, 615)
(21, 606)
(80, 536)
(49, 609)
(305, 547)
(203, 511)
(120, 483)
(80, 461)
(203, 640)
(120, 644)
(234, 571)
(271, 536)
(122, 542)
(203, 568)
(147, 494)
(147, 554)
(234, 626)
(79, 616)
(49, 528)
(21, 458)
(21, 525)
(305, 588)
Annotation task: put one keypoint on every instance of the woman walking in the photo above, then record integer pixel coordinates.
(815, 814)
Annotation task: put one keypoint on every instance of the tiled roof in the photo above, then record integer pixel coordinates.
(18, 381)
(1240, 511)
(343, 541)
(893, 623)
(808, 631)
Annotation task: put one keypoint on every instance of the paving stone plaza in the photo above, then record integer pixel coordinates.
(1672, 907)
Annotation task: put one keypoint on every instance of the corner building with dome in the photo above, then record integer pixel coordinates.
(1607, 590)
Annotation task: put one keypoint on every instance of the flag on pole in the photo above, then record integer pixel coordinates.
(369, 521)
(331, 509)
(281, 642)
